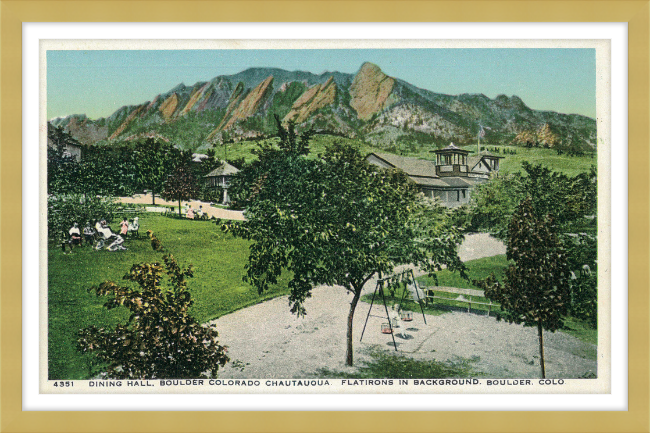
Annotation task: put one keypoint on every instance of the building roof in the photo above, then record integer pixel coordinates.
(451, 148)
(410, 166)
(224, 170)
(458, 182)
(491, 155)
(475, 159)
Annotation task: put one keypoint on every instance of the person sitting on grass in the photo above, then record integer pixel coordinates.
(199, 213)
(190, 213)
(104, 232)
(108, 235)
(75, 236)
(89, 234)
(134, 226)
(98, 226)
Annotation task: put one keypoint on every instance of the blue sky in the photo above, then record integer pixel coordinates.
(97, 83)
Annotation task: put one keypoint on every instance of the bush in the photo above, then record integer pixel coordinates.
(161, 339)
(211, 194)
(64, 210)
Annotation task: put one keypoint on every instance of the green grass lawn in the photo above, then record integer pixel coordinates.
(476, 270)
(569, 165)
(217, 287)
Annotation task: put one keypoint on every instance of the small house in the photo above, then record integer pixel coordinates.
(220, 178)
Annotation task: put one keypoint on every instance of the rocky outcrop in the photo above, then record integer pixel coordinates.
(168, 107)
(127, 121)
(196, 95)
(150, 106)
(249, 105)
(547, 137)
(314, 98)
(542, 137)
(371, 91)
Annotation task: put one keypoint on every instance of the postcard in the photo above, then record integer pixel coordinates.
(415, 217)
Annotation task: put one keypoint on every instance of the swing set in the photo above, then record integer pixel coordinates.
(392, 283)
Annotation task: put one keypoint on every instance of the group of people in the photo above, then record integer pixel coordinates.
(102, 234)
(190, 213)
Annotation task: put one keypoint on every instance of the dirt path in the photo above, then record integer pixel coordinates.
(267, 341)
(207, 208)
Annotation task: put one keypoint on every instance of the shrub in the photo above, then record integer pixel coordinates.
(160, 339)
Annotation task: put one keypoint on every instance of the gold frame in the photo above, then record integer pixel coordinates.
(13, 13)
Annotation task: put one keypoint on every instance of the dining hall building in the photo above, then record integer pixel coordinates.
(449, 178)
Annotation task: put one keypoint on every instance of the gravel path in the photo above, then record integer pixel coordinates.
(267, 341)
(209, 210)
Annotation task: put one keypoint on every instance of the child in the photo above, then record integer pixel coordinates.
(124, 227)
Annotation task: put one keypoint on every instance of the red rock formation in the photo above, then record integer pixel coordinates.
(371, 91)
(247, 107)
(194, 98)
(168, 107)
(251, 102)
(126, 122)
(312, 100)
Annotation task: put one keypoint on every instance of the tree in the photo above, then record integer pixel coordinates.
(582, 252)
(570, 200)
(161, 339)
(536, 288)
(64, 210)
(62, 168)
(334, 220)
(180, 185)
(153, 162)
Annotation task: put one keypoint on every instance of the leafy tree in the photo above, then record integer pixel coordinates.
(290, 141)
(582, 252)
(107, 170)
(154, 160)
(161, 339)
(536, 287)
(64, 210)
(62, 168)
(180, 185)
(334, 220)
(571, 201)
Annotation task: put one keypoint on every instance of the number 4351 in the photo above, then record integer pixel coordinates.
(65, 384)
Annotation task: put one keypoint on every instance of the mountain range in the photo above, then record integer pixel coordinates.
(368, 105)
